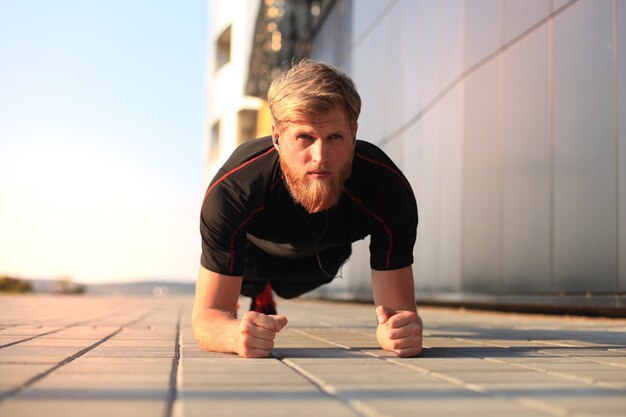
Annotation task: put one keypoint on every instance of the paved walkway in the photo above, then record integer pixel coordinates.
(105, 356)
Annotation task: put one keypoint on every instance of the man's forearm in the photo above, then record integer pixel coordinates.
(216, 330)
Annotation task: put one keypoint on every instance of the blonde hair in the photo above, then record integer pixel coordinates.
(310, 88)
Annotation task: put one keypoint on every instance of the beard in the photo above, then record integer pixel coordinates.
(315, 195)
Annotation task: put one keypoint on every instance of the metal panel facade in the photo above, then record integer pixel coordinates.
(619, 68)
(526, 235)
(585, 182)
(508, 118)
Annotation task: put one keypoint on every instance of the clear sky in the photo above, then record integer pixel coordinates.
(101, 128)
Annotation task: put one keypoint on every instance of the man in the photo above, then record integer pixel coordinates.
(281, 215)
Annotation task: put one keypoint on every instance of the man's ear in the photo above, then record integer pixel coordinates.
(354, 130)
(275, 136)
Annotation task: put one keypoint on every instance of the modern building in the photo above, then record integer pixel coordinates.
(231, 114)
(507, 116)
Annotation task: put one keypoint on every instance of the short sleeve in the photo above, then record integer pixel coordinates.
(222, 229)
(233, 198)
(391, 208)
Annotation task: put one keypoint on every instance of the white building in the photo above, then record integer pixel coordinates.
(231, 114)
(507, 116)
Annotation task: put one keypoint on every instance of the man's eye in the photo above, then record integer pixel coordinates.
(304, 137)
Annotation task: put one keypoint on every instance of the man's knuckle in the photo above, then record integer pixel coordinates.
(408, 352)
(397, 335)
(400, 352)
(259, 353)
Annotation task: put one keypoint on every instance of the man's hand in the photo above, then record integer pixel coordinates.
(257, 331)
(399, 331)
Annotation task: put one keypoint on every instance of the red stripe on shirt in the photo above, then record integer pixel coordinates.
(231, 265)
(382, 164)
(280, 178)
(380, 220)
(232, 171)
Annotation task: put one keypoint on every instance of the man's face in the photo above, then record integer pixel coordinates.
(316, 157)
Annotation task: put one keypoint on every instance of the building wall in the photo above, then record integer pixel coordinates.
(227, 104)
(507, 116)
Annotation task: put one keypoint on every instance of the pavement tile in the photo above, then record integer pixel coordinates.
(105, 380)
(51, 355)
(602, 351)
(612, 360)
(617, 375)
(131, 352)
(74, 393)
(318, 352)
(198, 353)
(84, 332)
(63, 343)
(36, 350)
(465, 365)
(474, 363)
(573, 366)
(594, 403)
(542, 360)
(447, 404)
(28, 359)
(158, 343)
(267, 368)
(221, 359)
(519, 376)
(14, 375)
(80, 407)
(104, 361)
(260, 401)
(390, 377)
(247, 379)
(118, 365)
(558, 390)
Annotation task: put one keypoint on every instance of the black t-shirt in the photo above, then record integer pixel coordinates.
(248, 202)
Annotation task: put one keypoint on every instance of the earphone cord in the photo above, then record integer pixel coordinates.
(316, 240)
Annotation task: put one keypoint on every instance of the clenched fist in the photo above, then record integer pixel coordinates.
(256, 334)
(399, 331)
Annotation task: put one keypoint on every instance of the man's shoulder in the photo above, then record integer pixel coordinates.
(248, 151)
(249, 166)
(367, 147)
(372, 163)
(370, 155)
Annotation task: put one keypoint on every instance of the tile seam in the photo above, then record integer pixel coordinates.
(9, 393)
(446, 378)
(69, 326)
(172, 395)
(329, 390)
(585, 380)
(40, 376)
(530, 403)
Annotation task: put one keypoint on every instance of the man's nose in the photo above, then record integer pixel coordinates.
(318, 151)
